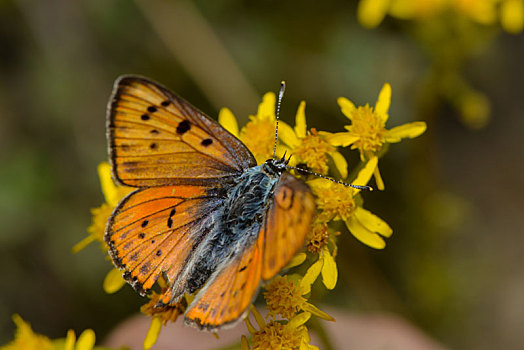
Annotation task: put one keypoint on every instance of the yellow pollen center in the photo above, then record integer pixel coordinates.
(335, 202)
(313, 152)
(370, 127)
(284, 297)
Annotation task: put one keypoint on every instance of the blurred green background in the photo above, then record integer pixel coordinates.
(454, 196)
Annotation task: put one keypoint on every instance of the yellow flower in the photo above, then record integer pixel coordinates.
(259, 133)
(325, 266)
(26, 339)
(337, 202)
(310, 148)
(161, 315)
(279, 334)
(284, 297)
(512, 15)
(368, 132)
(319, 237)
(113, 193)
(370, 13)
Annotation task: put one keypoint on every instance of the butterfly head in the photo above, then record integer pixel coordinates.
(277, 165)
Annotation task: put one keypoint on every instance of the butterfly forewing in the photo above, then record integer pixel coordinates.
(156, 138)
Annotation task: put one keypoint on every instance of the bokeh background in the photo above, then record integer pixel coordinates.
(454, 196)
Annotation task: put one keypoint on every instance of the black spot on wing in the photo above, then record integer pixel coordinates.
(183, 127)
(206, 142)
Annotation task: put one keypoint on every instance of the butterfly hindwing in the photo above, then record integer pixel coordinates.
(287, 223)
(157, 138)
(227, 296)
(152, 231)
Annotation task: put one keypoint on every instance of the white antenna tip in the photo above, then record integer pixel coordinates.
(282, 89)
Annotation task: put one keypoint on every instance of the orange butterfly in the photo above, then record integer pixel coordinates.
(204, 216)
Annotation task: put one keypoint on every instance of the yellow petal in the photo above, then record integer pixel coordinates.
(512, 16)
(299, 320)
(317, 312)
(300, 120)
(346, 106)
(258, 317)
(86, 340)
(373, 222)
(383, 102)
(340, 163)
(364, 235)
(364, 175)
(342, 139)
(297, 260)
(409, 130)
(109, 188)
(378, 179)
(371, 12)
(266, 109)
(113, 281)
(70, 340)
(287, 135)
(244, 345)
(83, 243)
(153, 333)
(228, 121)
(311, 276)
(329, 270)
(249, 326)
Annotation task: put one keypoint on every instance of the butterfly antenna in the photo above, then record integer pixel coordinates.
(280, 95)
(368, 188)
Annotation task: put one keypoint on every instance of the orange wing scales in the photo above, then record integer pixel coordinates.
(156, 139)
(226, 297)
(184, 164)
(287, 224)
(151, 230)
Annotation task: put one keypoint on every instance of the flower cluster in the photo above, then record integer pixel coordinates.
(451, 32)
(510, 13)
(287, 296)
(27, 339)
